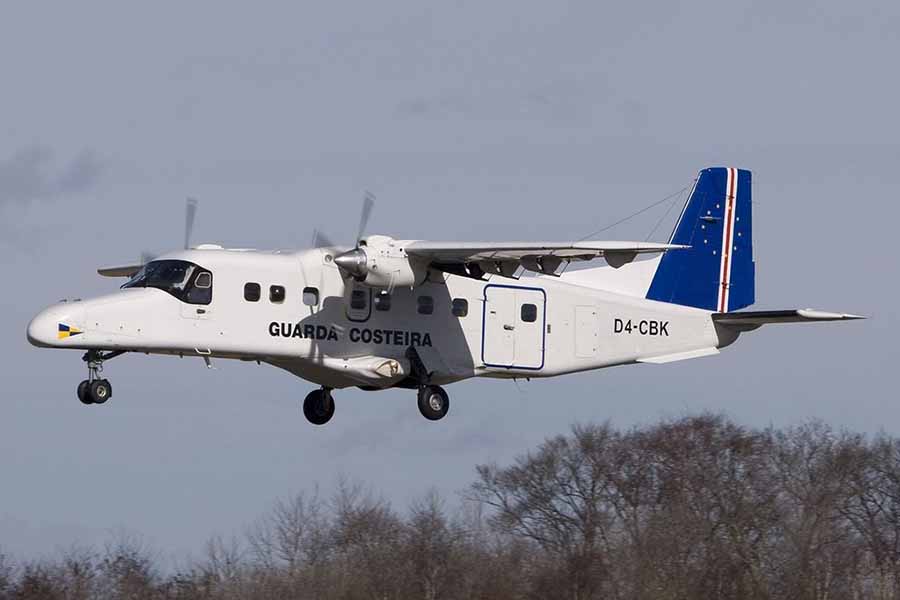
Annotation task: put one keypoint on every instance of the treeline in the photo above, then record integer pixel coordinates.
(697, 507)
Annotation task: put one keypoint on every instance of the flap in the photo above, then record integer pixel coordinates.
(543, 257)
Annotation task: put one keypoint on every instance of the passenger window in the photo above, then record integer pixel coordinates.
(358, 300)
(251, 292)
(276, 294)
(529, 313)
(383, 301)
(425, 305)
(311, 296)
(459, 307)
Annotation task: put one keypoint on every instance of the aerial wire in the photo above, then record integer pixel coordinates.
(640, 212)
(663, 218)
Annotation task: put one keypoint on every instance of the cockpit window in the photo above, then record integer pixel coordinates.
(186, 281)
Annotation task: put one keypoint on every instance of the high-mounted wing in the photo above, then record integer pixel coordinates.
(119, 271)
(544, 257)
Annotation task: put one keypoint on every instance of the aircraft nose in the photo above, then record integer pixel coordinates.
(53, 325)
(40, 330)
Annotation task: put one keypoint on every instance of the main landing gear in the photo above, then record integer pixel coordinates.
(318, 407)
(95, 390)
(433, 402)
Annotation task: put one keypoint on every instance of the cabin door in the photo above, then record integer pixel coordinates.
(513, 328)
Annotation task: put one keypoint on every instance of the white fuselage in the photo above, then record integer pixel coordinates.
(532, 327)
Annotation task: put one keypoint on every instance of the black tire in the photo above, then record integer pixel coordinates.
(100, 391)
(82, 392)
(318, 407)
(433, 402)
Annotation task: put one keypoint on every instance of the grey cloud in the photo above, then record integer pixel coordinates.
(32, 174)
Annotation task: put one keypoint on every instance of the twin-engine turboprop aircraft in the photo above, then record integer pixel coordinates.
(420, 315)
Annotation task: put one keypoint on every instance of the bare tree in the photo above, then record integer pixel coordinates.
(556, 498)
(686, 508)
(7, 575)
(817, 554)
(432, 546)
(873, 509)
(128, 568)
(367, 537)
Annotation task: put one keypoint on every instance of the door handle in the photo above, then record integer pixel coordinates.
(509, 327)
(201, 311)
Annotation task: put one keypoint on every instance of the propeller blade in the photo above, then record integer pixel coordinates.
(320, 240)
(190, 213)
(368, 204)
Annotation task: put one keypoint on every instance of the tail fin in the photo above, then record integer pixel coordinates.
(717, 271)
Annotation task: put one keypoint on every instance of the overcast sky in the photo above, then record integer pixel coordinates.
(468, 120)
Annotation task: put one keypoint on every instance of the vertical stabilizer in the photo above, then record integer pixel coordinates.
(717, 272)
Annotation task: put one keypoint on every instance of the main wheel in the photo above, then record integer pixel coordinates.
(318, 407)
(433, 402)
(99, 391)
(83, 392)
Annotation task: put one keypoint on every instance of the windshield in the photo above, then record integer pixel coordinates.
(186, 281)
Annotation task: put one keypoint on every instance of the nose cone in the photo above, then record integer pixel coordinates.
(55, 326)
(352, 262)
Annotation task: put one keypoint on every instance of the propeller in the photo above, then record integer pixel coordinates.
(320, 240)
(353, 262)
(190, 211)
(368, 205)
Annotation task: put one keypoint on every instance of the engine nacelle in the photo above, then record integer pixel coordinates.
(382, 262)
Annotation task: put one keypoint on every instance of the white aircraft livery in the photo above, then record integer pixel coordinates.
(415, 314)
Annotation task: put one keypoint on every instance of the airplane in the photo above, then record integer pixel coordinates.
(414, 314)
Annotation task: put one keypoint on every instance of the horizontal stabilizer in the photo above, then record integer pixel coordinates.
(748, 320)
(119, 271)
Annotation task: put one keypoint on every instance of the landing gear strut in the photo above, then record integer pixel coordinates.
(95, 390)
(433, 402)
(318, 407)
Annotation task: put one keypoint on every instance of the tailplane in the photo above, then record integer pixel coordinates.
(717, 272)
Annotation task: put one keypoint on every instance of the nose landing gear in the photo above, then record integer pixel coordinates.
(95, 390)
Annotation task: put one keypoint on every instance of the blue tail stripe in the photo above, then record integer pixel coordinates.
(693, 277)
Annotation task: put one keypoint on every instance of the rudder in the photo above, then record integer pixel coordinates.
(717, 272)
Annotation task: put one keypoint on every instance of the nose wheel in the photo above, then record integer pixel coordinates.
(318, 407)
(97, 391)
(94, 389)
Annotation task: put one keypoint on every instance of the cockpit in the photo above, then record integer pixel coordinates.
(185, 280)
